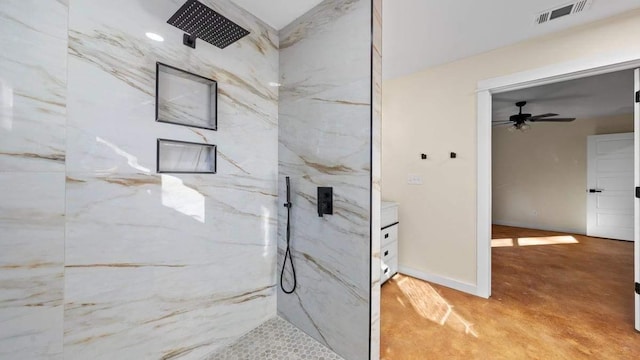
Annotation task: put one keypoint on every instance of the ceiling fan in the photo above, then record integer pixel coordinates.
(520, 121)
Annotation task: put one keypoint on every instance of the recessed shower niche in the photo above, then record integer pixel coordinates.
(186, 157)
(184, 98)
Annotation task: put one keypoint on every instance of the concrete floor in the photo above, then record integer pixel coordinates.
(554, 296)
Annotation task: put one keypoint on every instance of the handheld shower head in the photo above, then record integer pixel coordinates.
(287, 253)
(288, 203)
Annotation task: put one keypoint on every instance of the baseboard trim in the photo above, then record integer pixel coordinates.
(440, 280)
(539, 227)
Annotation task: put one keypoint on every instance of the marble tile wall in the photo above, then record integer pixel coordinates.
(137, 265)
(325, 139)
(376, 163)
(142, 265)
(276, 339)
(33, 39)
(166, 266)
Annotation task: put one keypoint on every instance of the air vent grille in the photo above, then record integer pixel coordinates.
(542, 18)
(579, 6)
(562, 11)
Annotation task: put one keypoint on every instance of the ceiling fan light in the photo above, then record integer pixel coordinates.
(525, 127)
(512, 128)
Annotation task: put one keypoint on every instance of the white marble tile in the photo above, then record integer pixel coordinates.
(376, 163)
(32, 222)
(164, 265)
(153, 312)
(325, 140)
(331, 302)
(327, 132)
(189, 259)
(31, 264)
(31, 333)
(105, 139)
(33, 37)
(112, 89)
(324, 49)
(167, 219)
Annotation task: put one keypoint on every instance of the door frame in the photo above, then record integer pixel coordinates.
(572, 70)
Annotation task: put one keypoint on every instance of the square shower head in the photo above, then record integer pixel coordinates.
(199, 20)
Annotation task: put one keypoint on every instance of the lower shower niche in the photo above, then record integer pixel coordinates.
(175, 156)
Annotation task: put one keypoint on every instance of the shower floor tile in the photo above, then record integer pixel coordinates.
(276, 339)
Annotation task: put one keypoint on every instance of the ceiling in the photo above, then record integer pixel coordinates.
(592, 97)
(277, 13)
(422, 33)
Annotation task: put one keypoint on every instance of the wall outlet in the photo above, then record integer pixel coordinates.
(413, 179)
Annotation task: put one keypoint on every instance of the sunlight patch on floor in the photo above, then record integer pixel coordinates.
(534, 241)
(501, 242)
(429, 304)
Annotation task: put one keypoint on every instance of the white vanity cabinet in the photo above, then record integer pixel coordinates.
(389, 240)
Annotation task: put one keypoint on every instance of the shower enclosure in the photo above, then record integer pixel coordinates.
(103, 257)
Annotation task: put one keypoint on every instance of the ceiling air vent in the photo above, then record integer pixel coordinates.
(562, 11)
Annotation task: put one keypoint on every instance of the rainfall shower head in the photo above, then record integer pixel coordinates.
(199, 20)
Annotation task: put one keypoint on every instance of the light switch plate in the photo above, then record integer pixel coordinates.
(413, 179)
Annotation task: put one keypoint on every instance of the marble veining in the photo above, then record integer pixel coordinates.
(376, 163)
(166, 266)
(103, 258)
(325, 140)
(109, 54)
(314, 22)
(33, 39)
(33, 85)
(31, 264)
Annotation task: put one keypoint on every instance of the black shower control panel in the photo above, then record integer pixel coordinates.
(325, 201)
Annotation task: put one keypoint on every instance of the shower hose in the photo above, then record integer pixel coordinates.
(287, 253)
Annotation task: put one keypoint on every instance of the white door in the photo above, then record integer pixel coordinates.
(610, 190)
(637, 201)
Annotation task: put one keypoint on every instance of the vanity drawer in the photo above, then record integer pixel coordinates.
(389, 268)
(389, 251)
(385, 273)
(389, 235)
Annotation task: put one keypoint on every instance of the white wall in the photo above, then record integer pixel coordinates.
(434, 111)
(540, 176)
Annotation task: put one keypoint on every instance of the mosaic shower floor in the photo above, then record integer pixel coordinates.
(276, 339)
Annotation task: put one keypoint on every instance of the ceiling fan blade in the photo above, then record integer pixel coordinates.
(501, 124)
(542, 116)
(552, 120)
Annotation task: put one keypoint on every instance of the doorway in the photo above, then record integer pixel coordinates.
(549, 75)
(610, 186)
(540, 160)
